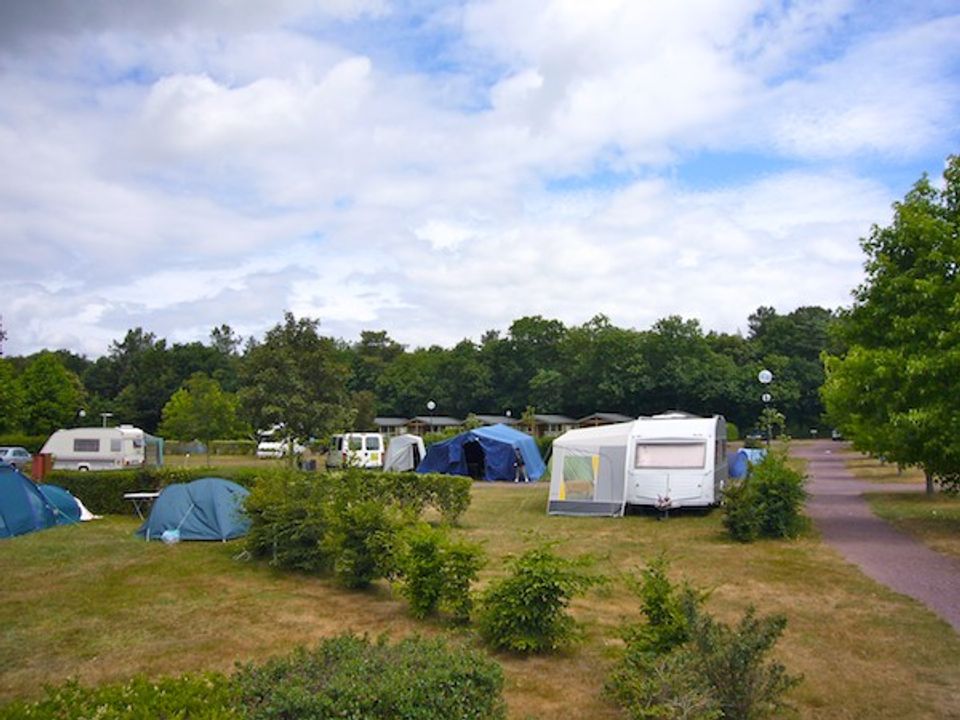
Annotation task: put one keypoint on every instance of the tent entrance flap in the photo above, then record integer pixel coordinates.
(475, 458)
(588, 481)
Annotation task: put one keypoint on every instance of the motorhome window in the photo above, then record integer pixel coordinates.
(670, 455)
(373, 443)
(356, 443)
(116, 444)
(137, 443)
(86, 445)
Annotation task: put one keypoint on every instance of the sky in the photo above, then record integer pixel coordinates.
(437, 169)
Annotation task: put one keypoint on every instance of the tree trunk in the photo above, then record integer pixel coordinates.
(929, 478)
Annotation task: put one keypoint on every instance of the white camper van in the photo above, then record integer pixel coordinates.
(356, 449)
(97, 448)
(665, 461)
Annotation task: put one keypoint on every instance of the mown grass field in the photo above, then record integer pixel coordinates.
(935, 521)
(94, 602)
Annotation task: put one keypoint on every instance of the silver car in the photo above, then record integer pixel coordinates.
(17, 456)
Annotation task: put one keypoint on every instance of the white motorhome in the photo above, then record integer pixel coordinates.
(97, 448)
(356, 449)
(665, 461)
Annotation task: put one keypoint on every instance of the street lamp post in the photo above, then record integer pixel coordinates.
(104, 416)
(766, 377)
(431, 406)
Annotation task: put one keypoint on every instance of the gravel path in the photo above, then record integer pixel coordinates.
(885, 554)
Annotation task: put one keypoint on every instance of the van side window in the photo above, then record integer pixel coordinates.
(86, 445)
(373, 442)
(356, 443)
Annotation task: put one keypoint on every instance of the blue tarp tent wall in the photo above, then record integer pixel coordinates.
(498, 445)
(67, 509)
(205, 509)
(739, 462)
(23, 508)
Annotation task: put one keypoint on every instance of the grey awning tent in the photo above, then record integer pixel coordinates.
(404, 453)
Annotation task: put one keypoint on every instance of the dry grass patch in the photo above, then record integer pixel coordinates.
(935, 520)
(95, 602)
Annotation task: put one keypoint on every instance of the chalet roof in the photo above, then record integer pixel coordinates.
(437, 420)
(496, 419)
(554, 420)
(390, 421)
(606, 417)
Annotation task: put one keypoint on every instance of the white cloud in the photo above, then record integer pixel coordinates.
(205, 169)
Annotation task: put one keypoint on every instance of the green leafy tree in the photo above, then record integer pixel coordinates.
(11, 399)
(295, 377)
(894, 390)
(52, 395)
(200, 410)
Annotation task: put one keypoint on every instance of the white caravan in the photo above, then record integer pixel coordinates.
(666, 461)
(356, 449)
(97, 448)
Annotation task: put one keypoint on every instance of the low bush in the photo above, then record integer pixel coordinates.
(684, 664)
(449, 495)
(350, 677)
(197, 697)
(767, 503)
(437, 572)
(526, 612)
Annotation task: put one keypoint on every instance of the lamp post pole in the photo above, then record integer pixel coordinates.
(431, 406)
(766, 377)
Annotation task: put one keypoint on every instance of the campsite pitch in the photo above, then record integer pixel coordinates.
(96, 603)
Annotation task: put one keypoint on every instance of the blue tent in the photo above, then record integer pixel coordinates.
(488, 453)
(64, 503)
(23, 508)
(739, 462)
(205, 509)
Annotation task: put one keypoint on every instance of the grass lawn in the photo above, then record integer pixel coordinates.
(94, 602)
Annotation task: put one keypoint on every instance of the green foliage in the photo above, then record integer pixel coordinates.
(684, 664)
(297, 378)
(11, 399)
(200, 410)
(526, 612)
(52, 395)
(893, 386)
(437, 571)
(33, 443)
(195, 697)
(350, 677)
(768, 503)
(733, 432)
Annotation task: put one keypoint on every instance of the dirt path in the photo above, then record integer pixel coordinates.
(884, 553)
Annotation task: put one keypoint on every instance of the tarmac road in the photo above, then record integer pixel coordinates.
(884, 553)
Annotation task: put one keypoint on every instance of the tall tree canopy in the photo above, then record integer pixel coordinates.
(296, 378)
(52, 395)
(200, 410)
(894, 391)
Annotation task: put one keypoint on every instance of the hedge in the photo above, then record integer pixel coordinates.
(33, 443)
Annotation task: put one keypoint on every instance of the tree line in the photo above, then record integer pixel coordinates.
(316, 384)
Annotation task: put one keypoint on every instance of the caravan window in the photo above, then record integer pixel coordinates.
(116, 444)
(670, 455)
(86, 445)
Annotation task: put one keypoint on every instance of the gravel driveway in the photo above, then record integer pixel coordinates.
(885, 554)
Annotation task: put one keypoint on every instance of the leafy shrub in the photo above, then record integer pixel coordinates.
(350, 677)
(289, 521)
(437, 571)
(545, 444)
(685, 664)
(733, 432)
(197, 697)
(768, 503)
(526, 612)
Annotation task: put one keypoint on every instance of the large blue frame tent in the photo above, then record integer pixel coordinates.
(23, 508)
(485, 453)
(205, 509)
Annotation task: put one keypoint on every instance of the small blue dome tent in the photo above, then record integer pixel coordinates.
(487, 453)
(205, 509)
(739, 462)
(23, 508)
(67, 509)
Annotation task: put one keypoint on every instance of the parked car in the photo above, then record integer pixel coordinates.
(836, 435)
(17, 456)
(278, 448)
